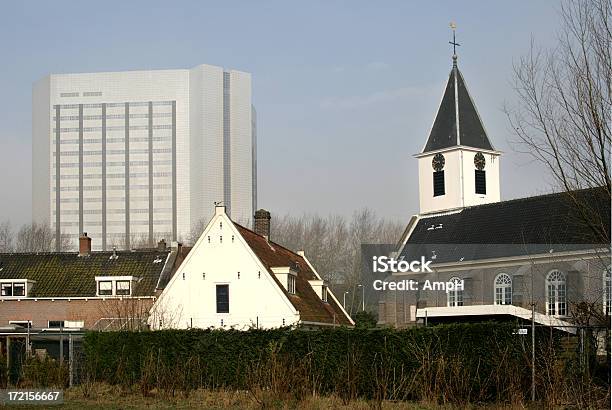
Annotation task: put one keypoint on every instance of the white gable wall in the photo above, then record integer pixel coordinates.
(254, 298)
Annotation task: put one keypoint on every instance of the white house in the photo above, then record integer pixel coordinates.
(237, 278)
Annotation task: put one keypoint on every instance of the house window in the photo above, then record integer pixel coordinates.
(105, 288)
(291, 284)
(123, 288)
(222, 298)
(607, 294)
(56, 324)
(324, 294)
(455, 296)
(480, 182)
(556, 304)
(7, 289)
(23, 323)
(18, 289)
(15, 289)
(503, 289)
(438, 183)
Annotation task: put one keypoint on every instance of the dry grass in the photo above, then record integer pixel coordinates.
(103, 396)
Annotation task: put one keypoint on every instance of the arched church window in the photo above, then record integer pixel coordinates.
(455, 295)
(556, 294)
(503, 289)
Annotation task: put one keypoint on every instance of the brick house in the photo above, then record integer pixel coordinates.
(43, 295)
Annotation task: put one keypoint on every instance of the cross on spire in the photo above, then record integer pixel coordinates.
(454, 43)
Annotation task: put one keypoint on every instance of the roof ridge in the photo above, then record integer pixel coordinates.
(526, 198)
(120, 251)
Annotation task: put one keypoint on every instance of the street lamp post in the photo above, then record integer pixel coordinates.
(362, 296)
(344, 299)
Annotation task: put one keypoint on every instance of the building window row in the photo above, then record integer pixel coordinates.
(114, 128)
(112, 105)
(116, 176)
(112, 116)
(113, 164)
(115, 152)
(556, 292)
(113, 140)
(85, 94)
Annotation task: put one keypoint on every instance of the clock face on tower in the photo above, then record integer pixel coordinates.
(479, 161)
(438, 162)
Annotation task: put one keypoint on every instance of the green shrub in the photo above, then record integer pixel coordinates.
(447, 363)
(45, 372)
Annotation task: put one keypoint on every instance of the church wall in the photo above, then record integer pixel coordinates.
(584, 279)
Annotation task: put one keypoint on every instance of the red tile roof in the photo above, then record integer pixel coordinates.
(305, 300)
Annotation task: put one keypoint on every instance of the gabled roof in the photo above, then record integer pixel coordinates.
(65, 274)
(305, 300)
(553, 219)
(457, 112)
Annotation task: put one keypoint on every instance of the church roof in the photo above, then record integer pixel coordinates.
(557, 219)
(457, 121)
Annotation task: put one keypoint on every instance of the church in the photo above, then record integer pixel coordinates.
(507, 256)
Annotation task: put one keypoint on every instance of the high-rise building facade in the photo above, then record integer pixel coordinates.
(132, 157)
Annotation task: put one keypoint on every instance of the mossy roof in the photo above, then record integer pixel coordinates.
(66, 274)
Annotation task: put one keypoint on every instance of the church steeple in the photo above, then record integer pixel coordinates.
(457, 121)
(458, 165)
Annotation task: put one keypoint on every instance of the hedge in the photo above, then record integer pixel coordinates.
(458, 362)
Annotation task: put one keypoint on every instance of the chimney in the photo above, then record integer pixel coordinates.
(262, 223)
(84, 244)
(161, 245)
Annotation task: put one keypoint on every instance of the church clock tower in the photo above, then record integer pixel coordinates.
(458, 165)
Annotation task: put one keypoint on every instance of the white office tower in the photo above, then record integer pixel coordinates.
(133, 157)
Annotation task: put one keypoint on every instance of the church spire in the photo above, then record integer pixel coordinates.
(457, 121)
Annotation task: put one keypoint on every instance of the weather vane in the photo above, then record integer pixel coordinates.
(453, 26)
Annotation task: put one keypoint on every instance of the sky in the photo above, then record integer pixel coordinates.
(345, 91)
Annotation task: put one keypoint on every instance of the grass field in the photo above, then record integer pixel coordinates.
(102, 396)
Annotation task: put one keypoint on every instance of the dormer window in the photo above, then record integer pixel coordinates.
(7, 289)
(291, 284)
(15, 288)
(123, 288)
(114, 285)
(320, 288)
(286, 276)
(105, 288)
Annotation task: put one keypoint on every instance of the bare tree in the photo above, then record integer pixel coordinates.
(562, 117)
(124, 313)
(196, 231)
(39, 238)
(333, 243)
(6, 237)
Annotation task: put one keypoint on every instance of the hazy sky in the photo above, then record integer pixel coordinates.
(345, 91)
